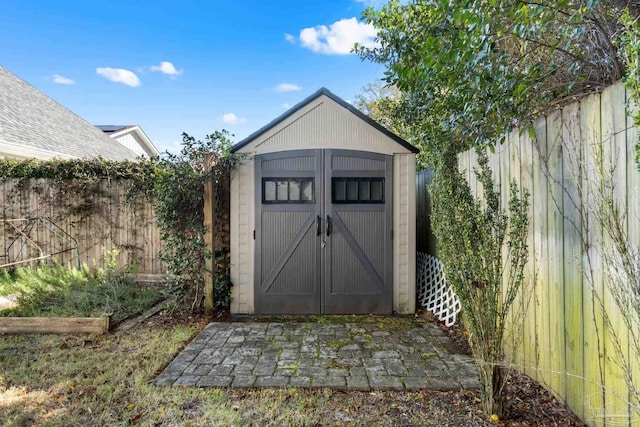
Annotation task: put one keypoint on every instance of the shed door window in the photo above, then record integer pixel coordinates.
(357, 190)
(287, 190)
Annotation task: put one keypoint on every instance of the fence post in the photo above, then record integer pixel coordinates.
(209, 236)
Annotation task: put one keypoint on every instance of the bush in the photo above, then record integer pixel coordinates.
(471, 236)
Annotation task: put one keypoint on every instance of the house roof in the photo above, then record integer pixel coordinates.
(34, 125)
(337, 99)
(113, 128)
(116, 131)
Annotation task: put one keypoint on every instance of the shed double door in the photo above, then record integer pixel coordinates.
(323, 233)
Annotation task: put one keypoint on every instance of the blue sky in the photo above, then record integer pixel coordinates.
(193, 66)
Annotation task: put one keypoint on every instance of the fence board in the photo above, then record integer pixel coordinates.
(527, 306)
(615, 160)
(572, 249)
(540, 250)
(633, 223)
(593, 402)
(517, 329)
(556, 254)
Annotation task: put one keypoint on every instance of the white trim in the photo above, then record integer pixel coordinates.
(20, 151)
(411, 241)
(148, 147)
(404, 233)
(242, 219)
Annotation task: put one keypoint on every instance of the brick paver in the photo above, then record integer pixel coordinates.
(348, 356)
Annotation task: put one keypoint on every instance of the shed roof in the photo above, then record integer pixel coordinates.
(31, 122)
(338, 100)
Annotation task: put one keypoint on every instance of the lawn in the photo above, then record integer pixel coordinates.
(105, 380)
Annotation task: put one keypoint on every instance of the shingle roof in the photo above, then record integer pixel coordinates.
(31, 119)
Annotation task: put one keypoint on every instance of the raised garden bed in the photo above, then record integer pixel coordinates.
(55, 325)
(59, 299)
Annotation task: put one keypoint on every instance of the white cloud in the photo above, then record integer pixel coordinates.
(285, 105)
(57, 78)
(232, 119)
(119, 75)
(166, 67)
(339, 38)
(288, 37)
(286, 87)
(372, 3)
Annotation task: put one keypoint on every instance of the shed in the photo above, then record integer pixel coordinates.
(323, 215)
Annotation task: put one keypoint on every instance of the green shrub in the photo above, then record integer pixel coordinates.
(484, 252)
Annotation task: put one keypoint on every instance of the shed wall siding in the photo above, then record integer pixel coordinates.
(323, 123)
(404, 233)
(404, 230)
(242, 243)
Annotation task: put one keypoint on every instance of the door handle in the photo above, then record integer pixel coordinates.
(329, 225)
(318, 225)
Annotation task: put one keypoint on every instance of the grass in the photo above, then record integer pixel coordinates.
(59, 290)
(105, 380)
(386, 323)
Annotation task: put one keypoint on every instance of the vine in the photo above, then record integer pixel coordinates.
(180, 213)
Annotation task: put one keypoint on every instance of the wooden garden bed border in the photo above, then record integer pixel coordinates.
(55, 325)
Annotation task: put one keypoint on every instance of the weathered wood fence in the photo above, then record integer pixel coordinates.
(100, 218)
(574, 340)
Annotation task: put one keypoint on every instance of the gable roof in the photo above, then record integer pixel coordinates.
(34, 125)
(116, 131)
(338, 100)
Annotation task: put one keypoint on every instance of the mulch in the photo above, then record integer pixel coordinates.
(529, 404)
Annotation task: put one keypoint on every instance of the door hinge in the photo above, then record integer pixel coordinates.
(254, 234)
(391, 234)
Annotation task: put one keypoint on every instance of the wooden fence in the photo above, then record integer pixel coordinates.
(100, 218)
(574, 339)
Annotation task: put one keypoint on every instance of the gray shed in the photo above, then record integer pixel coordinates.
(323, 215)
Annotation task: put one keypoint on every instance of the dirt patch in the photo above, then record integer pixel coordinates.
(8, 301)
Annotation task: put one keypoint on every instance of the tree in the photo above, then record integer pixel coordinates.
(471, 70)
(383, 103)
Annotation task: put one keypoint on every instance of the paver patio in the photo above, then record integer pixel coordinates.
(348, 356)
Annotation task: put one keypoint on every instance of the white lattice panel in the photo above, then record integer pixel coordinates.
(433, 292)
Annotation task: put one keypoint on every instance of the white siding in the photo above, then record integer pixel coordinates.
(132, 142)
(242, 243)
